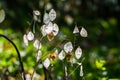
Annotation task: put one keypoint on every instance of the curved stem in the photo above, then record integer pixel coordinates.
(18, 53)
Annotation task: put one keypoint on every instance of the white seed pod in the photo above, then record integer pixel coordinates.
(76, 30)
(83, 32)
(49, 28)
(52, 14)
(78, 53)
(46, 18)
(81, 70)
(30, 36)
(68, 47)
(36, 12)
(61, 55)
(55, 29)
(39, 54)
(25, 39)
(2, 15)
(46, 63)
(37, 44)
(43, 30)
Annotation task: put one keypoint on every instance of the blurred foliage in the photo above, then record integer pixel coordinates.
(101, 48)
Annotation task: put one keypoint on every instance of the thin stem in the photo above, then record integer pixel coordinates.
(34, 26)
(36, 64)
(18, 53)
(76, 67)
(35, 67)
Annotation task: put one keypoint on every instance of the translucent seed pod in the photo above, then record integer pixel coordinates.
(52, 14)
(30, 36)
(43, 30)
(46, 18)
(55, 29)
(83, 32)
(68, 47)
(46, 63)
(37, 44)
(2, 15)
(61, 55)
(49, 28)
(25, 39)
(36, 12)
(76, 30)
(78, 53)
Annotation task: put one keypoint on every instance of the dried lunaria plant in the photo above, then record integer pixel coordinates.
(82, 32)
(50, 29)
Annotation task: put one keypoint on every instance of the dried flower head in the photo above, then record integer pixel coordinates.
(53, 55)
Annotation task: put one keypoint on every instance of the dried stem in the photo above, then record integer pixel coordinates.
(18, 53)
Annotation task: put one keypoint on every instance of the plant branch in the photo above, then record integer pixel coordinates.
(18, 53)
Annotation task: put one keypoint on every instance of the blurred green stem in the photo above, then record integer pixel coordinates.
(18, 53)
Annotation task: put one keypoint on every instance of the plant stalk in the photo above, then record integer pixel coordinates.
(18, 53)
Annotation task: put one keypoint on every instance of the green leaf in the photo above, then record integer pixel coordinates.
(2, 15)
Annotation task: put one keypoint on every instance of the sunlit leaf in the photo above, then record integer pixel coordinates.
(30, 36)
(52, 14)
(76, 30)
(46, 18)
(78, 53)
(46, 63)
(100, 64)
(2, 15)
(61, 55)
(68, 47)
(25, 39)
(83, 32)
